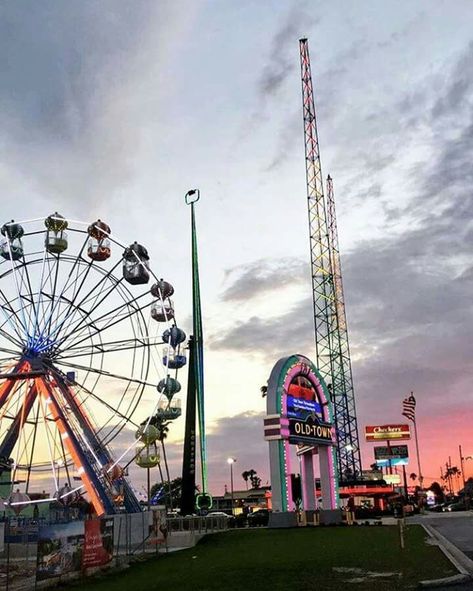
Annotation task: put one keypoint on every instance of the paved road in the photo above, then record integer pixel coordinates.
(458, 529)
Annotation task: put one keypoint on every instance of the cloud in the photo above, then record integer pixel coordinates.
(281, 60)
(269, 337)
(328, 100)
(458, 86)
(263, 276)
(69, 94)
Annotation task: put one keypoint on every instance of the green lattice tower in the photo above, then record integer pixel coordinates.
(328, 349)
(342, 384)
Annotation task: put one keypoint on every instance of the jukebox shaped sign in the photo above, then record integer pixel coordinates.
(299, 413)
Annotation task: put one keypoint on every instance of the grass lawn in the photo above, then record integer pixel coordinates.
(324, 558)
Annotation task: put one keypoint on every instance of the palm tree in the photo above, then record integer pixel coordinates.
(251, 475)
(264, 391)
(413, 476)
(245, 475)
(255, 481)
(454, 471)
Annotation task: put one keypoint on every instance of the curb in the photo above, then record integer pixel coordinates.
(445, 582)
(460, 561)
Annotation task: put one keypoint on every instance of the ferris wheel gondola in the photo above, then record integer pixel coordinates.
(84, 343)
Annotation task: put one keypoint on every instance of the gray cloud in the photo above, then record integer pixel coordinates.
(281, 53)
(66, 94)
(329, 101)
(270, 337)
(258, 278)
(458, 87)
(241, 437)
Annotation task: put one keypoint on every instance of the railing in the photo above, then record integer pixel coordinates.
(208, 524)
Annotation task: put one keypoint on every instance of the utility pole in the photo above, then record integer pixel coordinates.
(462, 466)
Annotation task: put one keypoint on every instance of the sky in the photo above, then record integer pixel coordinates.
(115, 109)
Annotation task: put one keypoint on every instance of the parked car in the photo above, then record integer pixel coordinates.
(260, 517)
(437, 508)
(217, 514)
(240, 520)
(459, 506)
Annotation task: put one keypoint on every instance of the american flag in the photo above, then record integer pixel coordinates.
(409, 407)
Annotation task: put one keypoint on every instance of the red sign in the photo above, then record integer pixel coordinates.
(384, 432)
(98, 543)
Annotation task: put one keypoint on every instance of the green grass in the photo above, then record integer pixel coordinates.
(294, 559)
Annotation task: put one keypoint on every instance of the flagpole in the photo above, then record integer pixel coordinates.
(421, 478)
(409, 411)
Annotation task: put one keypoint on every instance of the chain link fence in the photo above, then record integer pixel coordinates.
(35, 553)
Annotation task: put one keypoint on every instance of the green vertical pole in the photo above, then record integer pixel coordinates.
(198, 339)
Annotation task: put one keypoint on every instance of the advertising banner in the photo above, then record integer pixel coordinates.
(158, 529)
(300, 408)
(60, 549)
(392, 479)
(396, 432)
(390, 452)
(98, 542)
(392, 463)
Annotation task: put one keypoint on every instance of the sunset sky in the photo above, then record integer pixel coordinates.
(114, 109)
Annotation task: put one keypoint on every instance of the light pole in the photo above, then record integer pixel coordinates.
(231, 461)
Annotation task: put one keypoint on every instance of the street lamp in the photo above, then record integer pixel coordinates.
(231, 461)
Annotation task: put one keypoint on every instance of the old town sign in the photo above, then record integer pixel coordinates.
(310, 430)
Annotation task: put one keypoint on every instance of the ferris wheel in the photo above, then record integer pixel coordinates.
(87, 334)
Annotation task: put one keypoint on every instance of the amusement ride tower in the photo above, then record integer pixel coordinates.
(195, 391)
(331, 336)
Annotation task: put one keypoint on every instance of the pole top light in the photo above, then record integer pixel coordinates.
(231, 460)
(192, 196)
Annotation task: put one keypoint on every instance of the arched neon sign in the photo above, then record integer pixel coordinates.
(299, 412)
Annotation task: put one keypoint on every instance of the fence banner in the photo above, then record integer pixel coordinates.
(98, 544)
(60, 549)
(158, 529)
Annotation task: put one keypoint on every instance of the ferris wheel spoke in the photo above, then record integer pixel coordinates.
(88, 433)
(18, 291)
(44, 299)
(32, 448)
(105, 373)
(46, 425)
(75, 284)
(69, 317)
(26, 294)
(12, 317)
(52, 336)
(110, 319)
(53, 286)
(81, 323)
(15, 429)
(104, 403)
(11, 340)
(109, 347)
(72, 280)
